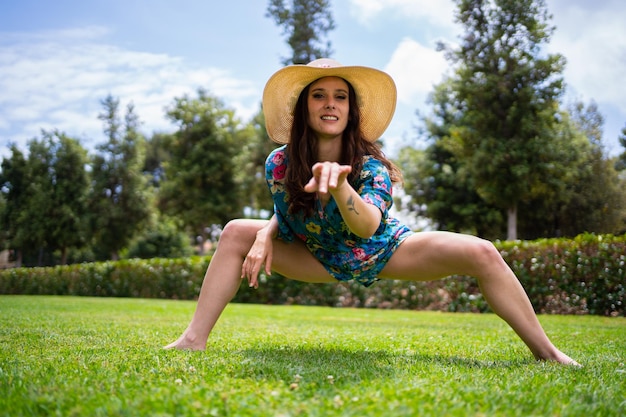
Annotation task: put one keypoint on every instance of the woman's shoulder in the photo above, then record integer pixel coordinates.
(277, 156)
(372, 165)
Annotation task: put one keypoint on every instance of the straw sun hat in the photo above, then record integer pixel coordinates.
(375, 92)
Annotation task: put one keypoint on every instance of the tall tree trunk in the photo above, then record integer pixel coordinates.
(202, 240)
(511, 233)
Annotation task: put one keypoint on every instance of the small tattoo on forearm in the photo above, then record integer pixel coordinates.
(351, 205)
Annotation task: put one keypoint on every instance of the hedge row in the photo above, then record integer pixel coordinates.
(585, 275)
(152, 278)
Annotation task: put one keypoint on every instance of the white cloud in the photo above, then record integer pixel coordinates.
(415, 69)
(364, 10)
(57, 80)
(439, 13)
(592, 37)
(594, 44)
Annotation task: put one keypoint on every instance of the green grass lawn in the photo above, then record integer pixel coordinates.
(102, 357)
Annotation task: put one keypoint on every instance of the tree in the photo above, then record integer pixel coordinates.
(304, 24)
(35, 220)
(45, 198)
(70, 182)
(57, 191)
(251, 163)
(200, 186)
(439, 181)
(157, 155)
(620, 164)
(508, 94)
(14, 180)
(598, 199)
(121, 201)
(587, 196)
(582, 195)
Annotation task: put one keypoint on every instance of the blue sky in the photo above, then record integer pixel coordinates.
(59, 59)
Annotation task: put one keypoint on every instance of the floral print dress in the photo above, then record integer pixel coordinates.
(345, 255)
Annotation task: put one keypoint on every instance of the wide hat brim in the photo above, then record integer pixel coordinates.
(375, 91)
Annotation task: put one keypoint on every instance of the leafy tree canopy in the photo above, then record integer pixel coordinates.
(305, 23)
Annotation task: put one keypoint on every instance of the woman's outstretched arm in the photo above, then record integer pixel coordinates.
(363, 219)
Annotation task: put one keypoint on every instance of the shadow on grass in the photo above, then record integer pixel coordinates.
(285, 363)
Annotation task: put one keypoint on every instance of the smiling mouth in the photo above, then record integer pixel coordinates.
(335, 118)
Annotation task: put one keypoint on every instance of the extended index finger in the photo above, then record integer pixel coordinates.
(324, 176)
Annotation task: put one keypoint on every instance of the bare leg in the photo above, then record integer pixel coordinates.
(432, 255)
(220, 284)
(223, 277)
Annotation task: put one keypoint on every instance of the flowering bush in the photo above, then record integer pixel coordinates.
(585, 275)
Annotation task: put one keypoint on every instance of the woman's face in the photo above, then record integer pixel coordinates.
(328, 106)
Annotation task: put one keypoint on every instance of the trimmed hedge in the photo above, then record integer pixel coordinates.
(585, 275)
(151, 278)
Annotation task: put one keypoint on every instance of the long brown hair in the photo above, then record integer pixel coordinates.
(302, 153)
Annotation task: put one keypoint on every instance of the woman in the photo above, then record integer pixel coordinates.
(331, 187)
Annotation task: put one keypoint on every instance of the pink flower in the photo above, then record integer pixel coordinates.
(379, 182)
(278, 158)
(279, 172)
(359, 253)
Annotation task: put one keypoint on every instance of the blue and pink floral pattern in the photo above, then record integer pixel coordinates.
(345, 255)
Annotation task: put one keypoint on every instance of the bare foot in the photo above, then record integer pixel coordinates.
(559, 357)
(186, 342)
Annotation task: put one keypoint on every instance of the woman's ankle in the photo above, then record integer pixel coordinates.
(188, 341)
(555, 355)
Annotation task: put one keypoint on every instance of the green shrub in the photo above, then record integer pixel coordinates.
(579, 276)
(164, 240)
(154, 278)
(585, 275)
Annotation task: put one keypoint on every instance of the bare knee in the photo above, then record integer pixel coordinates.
(233, 229)
(484, 256)
(239, 233)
